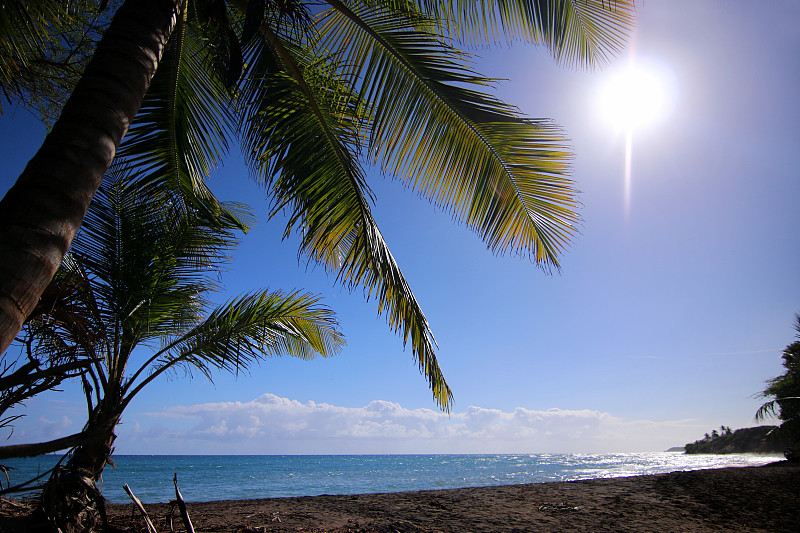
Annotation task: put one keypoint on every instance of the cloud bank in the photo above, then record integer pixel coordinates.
(270, 424)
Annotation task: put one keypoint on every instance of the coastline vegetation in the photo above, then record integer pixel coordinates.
(784, 404)
(760, 439)
(784, 392)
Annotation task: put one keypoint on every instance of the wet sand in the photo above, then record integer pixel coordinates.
(729, 499)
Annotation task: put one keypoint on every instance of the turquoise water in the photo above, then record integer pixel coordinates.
(228, 477)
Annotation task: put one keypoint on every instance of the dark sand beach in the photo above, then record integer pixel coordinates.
(763, 498)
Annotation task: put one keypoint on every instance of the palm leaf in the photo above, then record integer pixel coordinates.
(309, 110)
(433, 125)
(25, 27)
(770, 408)
(45, 46)
(244, 331)
(182, 130)
(148, 262)
(773, 407)
(584, 32)
(65, 323)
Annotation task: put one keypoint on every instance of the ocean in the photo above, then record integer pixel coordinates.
(232, 477)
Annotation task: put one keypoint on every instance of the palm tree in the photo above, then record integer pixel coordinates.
(41, 213)
(354, 83)
(785, 393)
(143, 271)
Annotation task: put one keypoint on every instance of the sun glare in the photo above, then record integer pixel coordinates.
(634, 98)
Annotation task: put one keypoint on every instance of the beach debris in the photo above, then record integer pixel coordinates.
(178, 501)
(12, 508)
(12, 503)
(558, 507)
(168, 518)
(149, 523)
(187, 522)
(276, 517)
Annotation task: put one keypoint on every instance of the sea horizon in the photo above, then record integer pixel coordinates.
(239, 477)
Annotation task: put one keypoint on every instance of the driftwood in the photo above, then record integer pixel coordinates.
(150, 527)
(187, 522)
(13, 503)
(182, 506)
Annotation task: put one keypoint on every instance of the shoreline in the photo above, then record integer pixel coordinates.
(758, 498)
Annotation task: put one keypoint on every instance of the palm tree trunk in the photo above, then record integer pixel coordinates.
(71, 500)
(41, 213)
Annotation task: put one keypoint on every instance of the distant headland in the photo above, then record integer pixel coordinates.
(761, 439)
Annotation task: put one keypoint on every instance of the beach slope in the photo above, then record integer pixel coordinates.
(728, 499)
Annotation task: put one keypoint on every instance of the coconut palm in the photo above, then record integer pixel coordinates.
(784, 392)
(356, 83)
(143, 271)
(41, 213)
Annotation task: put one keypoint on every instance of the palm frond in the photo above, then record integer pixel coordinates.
(182, 130)
(433, 125)
(24, 25)
(775, 407)
(370, 264)
(25, 28)
(65, 320)
(45, 46)
(767, 410)
(244, 331)
(582, 32)
(148, 262)
(309, 110)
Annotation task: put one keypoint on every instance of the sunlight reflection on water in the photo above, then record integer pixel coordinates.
(204, 478)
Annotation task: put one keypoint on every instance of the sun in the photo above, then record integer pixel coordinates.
(634, 98)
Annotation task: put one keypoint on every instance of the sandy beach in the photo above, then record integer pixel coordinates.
(729, 499)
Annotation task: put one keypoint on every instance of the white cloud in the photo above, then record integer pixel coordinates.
(51, 429)
(41, 429)
(274, 425)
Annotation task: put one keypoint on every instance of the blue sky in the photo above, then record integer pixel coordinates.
(669, 312)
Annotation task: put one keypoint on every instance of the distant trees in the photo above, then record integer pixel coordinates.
(784, 392)
(723, 430)
(745, 440)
